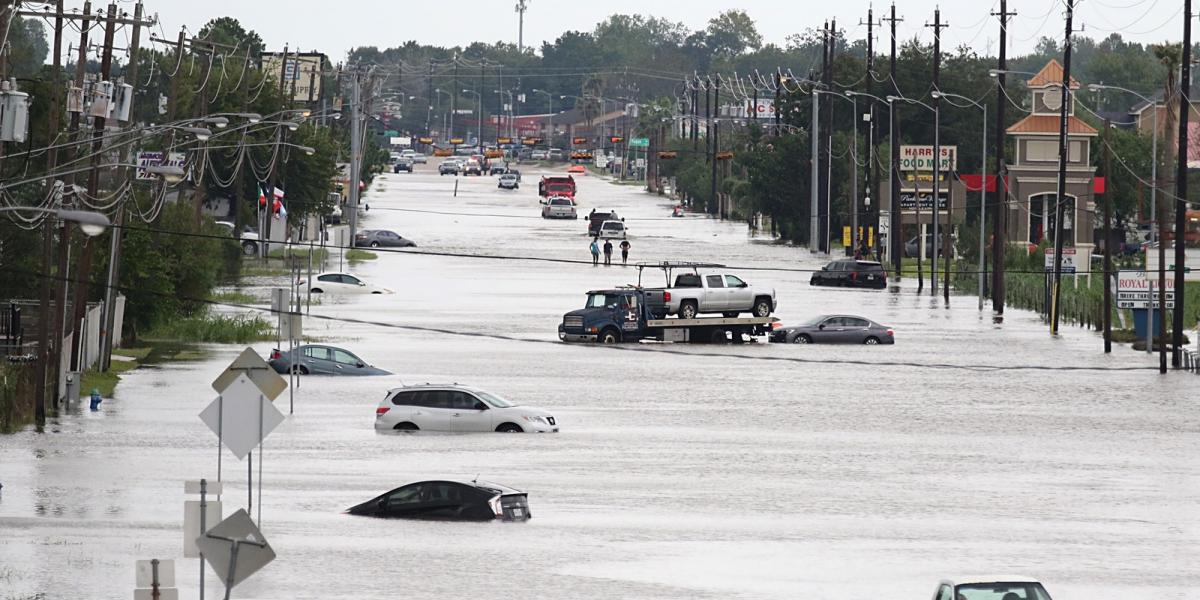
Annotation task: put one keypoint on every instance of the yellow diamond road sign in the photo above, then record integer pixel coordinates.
(253, 366)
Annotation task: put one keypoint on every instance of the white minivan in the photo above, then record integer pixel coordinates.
(457, 409)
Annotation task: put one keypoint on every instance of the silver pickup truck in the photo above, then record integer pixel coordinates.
(717, 292)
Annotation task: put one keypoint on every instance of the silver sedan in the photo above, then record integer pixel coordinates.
(835, 329)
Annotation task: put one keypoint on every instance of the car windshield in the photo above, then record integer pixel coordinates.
(560, 202)
(602, 300)
(813, 322)
(494, 400)
(1001, 591)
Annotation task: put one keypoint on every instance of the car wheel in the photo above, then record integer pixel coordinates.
(762, 308)
(718, 336)
(610, 336)
(406, 426)
(687, 310)
(871, 341)
(303, 370)
(802, 339)
(317, 290)
(249, 248)
(509, 428)
(730, 315)
(374, 244)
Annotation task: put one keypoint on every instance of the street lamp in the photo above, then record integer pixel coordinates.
(1000, 205)
(853, 180)
(549, 117)
(875, 212)
(479, 119)
(1095, 87)
(90, 223)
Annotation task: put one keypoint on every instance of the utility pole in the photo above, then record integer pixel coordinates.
(1000, 216)
(1108, 238)
(93, 187)
(814, 197)
(696, 114)
(454, 92)
(895, 235)
(937, 166)
(716, 140)
(1064, 113)
(429, 96)
(108, 337)
(521, 6)
(871, 176)
(355, 148)
(268, 212)
(708, 153)
(776, 107)
(1181, 185)
(44, 319)
(826, 181)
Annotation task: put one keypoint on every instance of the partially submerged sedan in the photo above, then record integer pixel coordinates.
(448, 500)
(321, 360)
(835, 329)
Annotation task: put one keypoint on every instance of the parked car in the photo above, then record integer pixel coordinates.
(559, 208)
(420, 159)
(471, 167)
(992, 588)
(509, 181)
(706, 292)
(555, 154)
(448, 500)
(596, 219)
(375, 238)
(340, 283)
(912, 247)
(448, 167)
(403, 164)
(848, 272)
(321, 360)
(835, 329)
(539, 155)
(459, 409)
(498, 168)
(611, 230)
(514, 172)
(248, 239)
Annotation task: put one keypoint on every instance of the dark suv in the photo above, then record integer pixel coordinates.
(851, 273)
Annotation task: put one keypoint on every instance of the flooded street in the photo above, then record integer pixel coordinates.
(738, 471)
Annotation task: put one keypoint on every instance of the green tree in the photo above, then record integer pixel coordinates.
(731, 33)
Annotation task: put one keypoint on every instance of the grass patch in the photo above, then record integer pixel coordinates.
(135, 353)
(261, 270)
(357, 255)
(318, 254)
(105, 382)
(233, 297)
(217, 329)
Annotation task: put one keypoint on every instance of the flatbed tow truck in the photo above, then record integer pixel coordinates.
(633, 313)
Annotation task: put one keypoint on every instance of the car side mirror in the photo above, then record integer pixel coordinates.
(821, 326)
(826, 268)
(744, 284)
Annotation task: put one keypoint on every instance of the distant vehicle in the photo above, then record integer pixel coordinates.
(420, 159)
(555, 154)
(334, 216)
(557, 185)
(631, 314)
(835, 329)
(539, 155)
(576, 169)
(992, 588)
(558, 208)
(509, 181)
(912, 248)
(471, 167)
(340, 283)
(513, 172)
(498, 168)
(459, 409)
(611, 230)
(596, 219)
(448, 167)
(408, 153)
(707, 290)
(375, 238)
(448, 500)
(848, 272)
(464, 151)
(248, 239)
(321, 360)
(403, 164)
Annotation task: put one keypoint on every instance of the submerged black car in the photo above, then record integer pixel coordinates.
(448, 500)
(851, 273)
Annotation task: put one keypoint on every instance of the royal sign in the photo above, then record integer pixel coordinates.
(920, 158)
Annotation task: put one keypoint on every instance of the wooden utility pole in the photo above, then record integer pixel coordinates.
(1000, 215)
(895, 233)
(45, 352)
(824, 174)
(941, 240)
(872, 176)
(1064, 115)
(1108, 238)
(1181, 185)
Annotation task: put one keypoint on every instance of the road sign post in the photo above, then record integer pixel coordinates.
(155, 580)
(235, 549)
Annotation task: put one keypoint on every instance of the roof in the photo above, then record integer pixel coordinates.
(1051, 74)
(1050, 124)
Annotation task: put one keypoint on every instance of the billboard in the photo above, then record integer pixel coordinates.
(910, 198)
(920, 158)
(155, 159)
(763, 109)
(301, 75)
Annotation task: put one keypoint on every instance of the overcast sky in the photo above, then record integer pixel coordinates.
(335, 27)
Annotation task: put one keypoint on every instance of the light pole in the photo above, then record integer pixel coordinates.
(445, 134)
(1095, 87)
(875, 212)
(937, 172)
(982, 183)
(549, 117)
(479, 119)
(853, 180)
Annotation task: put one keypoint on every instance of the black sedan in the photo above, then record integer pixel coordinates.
(375, 238)
(835, 329)
(448, 500)
(849, 272)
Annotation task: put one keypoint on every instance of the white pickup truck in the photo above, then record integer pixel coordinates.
(703, 292)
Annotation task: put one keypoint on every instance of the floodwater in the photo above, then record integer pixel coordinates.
(749, 471)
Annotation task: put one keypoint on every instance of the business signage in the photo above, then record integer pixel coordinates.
(443, 152)
(302, 73)
(579, 155)
(1068, 260)
(920, 158)
(456, 141)
(616, 139)
(464, 111)
(425, 140)
(909, 200)
(639, 142)
(493, 153)
(668, 155)
(503, 140)
(1137, 289)
(400, 141)
(156, 159)
(579, 141)
(763, 109)
(531, 141)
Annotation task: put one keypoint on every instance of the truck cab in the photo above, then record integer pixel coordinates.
(613, 315)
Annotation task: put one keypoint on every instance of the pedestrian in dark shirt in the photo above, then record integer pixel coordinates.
(608, 248)
(624, 252)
